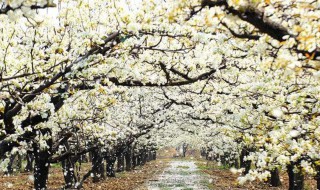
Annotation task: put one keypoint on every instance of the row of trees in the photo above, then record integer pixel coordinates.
(114, 77)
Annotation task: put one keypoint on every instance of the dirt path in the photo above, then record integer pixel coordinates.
(180, 175)
(124, 180)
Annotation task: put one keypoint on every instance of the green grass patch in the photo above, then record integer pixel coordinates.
(183, 167)
(55, 165)
(184, 173)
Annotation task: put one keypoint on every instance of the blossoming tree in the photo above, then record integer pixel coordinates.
(242, 76)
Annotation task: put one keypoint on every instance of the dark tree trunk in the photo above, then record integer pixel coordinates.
(139, 160)
(128, 158)
(150, 156)
(246, 164)
(19, 163)
(154, 155)
(110, 166)
(41, 166)
(10, 164)
(296, 180)
(317, 178)
(29, 158)
(83, 158)
(318, 181)
(68, 173)
(144, 157)
(97, 166)
(236, 163)
(134, 161)
(223, 160)
(120, 162)
(275, 178)
(203, 152)
(184, 149)
(90, 157)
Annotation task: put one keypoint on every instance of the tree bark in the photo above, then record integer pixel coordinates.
(144, 157)
(246, 164)
(317, 177)
(128, 158)
(134, 161)
(68, 173)
(110, 166)
(10, 164)
(97, 166)
(139, 160)
(120, 162)
(184, 149)
(19, 162)
(154, 155)
(29, 158)
(235, 162)
(296, 180)
(41, 166)
(275, 178)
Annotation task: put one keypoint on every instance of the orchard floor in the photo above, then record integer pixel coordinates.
(180, 175)
(162, 174)
(189, 174)
(223, 179)
(124, 180)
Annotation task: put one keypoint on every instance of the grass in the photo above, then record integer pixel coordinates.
(210, 166)
(184, 173)
(169, 186)
(55, 165)
(207, 183)
(183, 167)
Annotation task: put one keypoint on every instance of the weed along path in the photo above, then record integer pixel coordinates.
(180, 175)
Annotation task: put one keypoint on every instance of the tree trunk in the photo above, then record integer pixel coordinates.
(128, 158)
(97, 166)
(10, 164)
(223, 161)
(154, 155)
(203, 152)
(296, 180)
(120, 162)
(68, 173)
(83, 158)
(134, 161)
(90, 156)
(19, 162)
(150, 155)
(236, 163)
(139, 162)
(29, 158)
(317, 178)
(110, 166)
(184, 149)
(275, 179)
(246, 164)
(144, 157)
(41, 166)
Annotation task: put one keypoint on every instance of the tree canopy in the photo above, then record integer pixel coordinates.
(235, 77)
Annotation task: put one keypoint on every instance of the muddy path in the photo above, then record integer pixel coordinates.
(180, 175)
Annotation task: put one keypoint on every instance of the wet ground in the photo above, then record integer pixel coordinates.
(180, 175)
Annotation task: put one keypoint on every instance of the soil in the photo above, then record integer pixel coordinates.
(170, 173)
(223, 179)
(124, 180)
